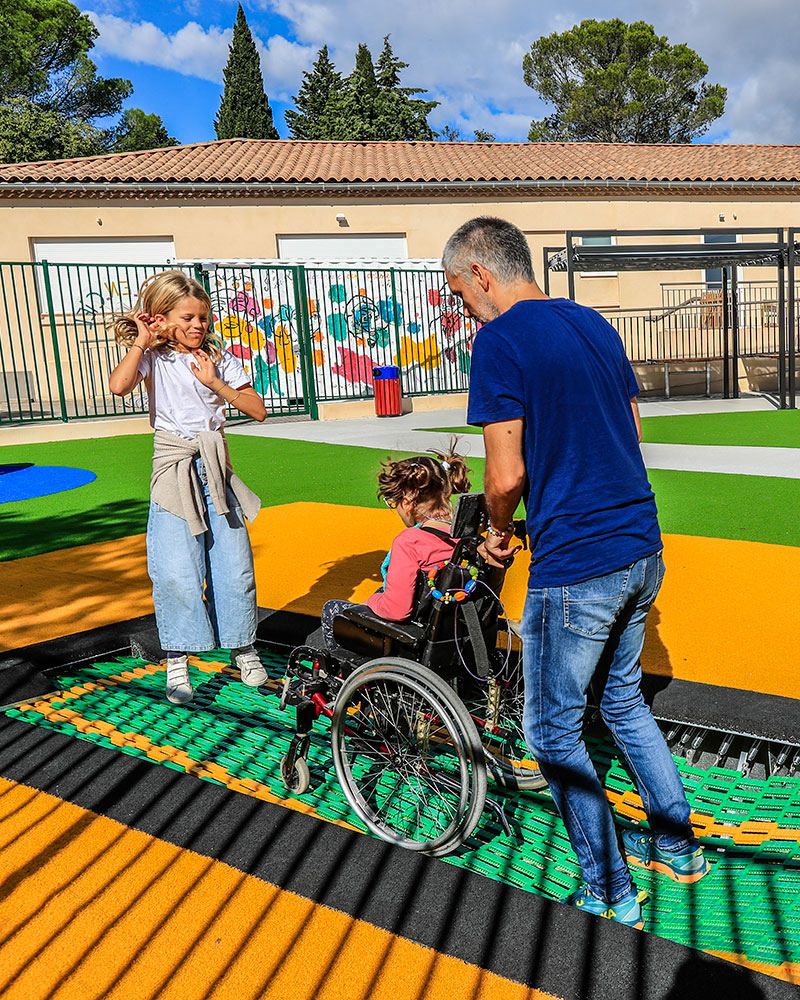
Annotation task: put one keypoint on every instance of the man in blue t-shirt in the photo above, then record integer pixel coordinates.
(556, 396)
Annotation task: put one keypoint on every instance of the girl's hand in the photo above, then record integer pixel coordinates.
(146, 331)
(205, 371)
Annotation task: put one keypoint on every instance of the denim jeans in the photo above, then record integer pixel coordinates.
(204, 588)
(570, 635)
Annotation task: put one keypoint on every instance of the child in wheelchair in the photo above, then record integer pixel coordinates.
(419, 489)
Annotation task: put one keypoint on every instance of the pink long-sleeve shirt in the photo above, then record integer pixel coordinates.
(413, 550)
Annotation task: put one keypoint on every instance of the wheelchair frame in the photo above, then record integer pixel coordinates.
(420, 716)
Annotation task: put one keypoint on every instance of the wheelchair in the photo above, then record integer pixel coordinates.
(422, 712)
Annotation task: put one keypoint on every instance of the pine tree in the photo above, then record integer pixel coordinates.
(244, 111)
(400, 115)
(355, 111)
(318, 92)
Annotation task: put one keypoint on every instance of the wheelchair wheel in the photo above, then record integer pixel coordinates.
(497, 708)
(296, 778)
(408, 756)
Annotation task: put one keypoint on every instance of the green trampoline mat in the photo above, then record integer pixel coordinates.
(749, 904)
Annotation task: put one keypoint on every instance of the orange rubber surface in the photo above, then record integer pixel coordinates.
(727, 613)
(94, 909)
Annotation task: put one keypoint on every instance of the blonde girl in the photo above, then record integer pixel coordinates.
(198, 551)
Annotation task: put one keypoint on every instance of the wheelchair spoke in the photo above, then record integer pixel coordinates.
(404, 757)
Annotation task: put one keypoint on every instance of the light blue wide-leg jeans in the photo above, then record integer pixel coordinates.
(569, 634)
(204, 588)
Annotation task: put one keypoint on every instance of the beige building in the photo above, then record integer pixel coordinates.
(285, 200)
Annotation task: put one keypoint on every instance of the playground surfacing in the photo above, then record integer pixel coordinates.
(321, 544)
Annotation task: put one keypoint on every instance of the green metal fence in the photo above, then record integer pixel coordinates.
(304, 334)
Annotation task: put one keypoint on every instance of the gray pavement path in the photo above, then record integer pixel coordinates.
(415, 432)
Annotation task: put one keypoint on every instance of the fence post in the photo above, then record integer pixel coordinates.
(396, 323)
(54, 334)
(304, 340)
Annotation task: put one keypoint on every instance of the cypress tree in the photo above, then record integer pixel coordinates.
(319, 90)
(244, 111)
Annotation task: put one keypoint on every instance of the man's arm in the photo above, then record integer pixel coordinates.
(636, 418)
(503, 481)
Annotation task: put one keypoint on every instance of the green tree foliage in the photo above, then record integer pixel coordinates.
(138, 130)
(370, 104)
(50, 93)
(29, 132)
(318, 92)
(482, 136)
(615, 82)
(244, 110)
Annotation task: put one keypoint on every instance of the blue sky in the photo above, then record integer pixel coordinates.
(468, 56)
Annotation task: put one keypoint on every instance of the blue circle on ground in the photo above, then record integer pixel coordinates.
(25, 482)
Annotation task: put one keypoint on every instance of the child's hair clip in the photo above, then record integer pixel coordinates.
(446, 466)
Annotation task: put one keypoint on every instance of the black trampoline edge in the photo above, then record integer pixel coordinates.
(505, 930)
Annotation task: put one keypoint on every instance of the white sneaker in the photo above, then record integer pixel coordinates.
(179, 687)
(250, 667)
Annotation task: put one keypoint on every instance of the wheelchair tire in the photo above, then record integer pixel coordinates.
(408, 756)
(298, 779)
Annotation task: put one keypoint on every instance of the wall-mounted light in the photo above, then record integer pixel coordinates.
(341, 218)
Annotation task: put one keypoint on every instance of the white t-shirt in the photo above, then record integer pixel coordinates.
(179, 402)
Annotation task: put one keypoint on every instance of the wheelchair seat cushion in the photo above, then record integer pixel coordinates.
(352, 623)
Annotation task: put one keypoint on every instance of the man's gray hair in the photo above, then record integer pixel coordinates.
(493, 243)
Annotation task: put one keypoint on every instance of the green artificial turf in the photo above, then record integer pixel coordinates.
(451, 430)
(116, 503)
(754, 508)
(760, 428)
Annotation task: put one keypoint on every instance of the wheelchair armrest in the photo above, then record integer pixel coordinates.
(362, 620)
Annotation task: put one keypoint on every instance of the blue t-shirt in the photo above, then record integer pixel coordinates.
(562, 368)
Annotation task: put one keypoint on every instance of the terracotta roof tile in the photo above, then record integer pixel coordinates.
(248, 161)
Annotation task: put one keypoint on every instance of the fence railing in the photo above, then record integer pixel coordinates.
(691, 325)
(304, 334)
(311, 334)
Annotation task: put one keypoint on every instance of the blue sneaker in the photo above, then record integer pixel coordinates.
(627, 910)
(641, 850)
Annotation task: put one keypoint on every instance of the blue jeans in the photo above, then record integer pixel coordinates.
(204, 588)
(570, 634)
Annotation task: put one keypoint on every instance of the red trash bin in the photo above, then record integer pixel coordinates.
(386, 383)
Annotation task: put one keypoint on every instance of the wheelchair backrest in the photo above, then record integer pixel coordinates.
(466, 577)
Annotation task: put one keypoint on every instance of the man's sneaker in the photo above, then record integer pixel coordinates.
(642, 850)
(250, 667)
(179, 687)
(627, 910)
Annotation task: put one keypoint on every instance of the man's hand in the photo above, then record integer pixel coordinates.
(497, 551)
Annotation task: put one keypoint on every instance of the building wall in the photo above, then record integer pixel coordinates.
(230, 228)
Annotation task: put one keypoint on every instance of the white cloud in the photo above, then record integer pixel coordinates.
(470, 57)
(202, 52)
(473, 54)
(192, 50)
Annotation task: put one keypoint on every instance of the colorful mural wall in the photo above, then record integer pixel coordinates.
(348, 320)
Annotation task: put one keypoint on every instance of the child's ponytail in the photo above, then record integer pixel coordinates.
(430, 479)
(454, 467)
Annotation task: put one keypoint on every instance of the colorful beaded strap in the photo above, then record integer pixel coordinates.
(453, 593)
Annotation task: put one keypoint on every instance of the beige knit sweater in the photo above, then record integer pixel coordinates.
(176, 487)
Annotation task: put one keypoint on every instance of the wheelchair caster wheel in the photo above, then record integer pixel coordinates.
(296, 777)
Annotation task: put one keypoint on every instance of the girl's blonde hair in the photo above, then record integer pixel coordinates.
(430, 479)
(158, 296)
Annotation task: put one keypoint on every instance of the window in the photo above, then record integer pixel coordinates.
(598, 241)
(345, 246)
